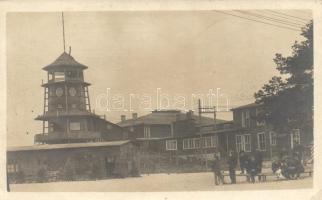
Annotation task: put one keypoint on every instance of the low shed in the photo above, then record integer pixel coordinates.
(74, 161)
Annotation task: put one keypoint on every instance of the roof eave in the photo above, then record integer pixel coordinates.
(50, 67)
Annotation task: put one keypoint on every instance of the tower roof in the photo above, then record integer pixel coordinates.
(63, 61)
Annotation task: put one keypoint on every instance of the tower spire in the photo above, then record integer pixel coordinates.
(62, 18)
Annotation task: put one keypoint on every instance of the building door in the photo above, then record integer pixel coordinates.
(109, 166)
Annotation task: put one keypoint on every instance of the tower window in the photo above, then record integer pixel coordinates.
(59, 76)
(51, 76)
(51, 92)
(71, 74)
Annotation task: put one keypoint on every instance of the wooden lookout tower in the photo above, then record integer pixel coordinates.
(67, 115)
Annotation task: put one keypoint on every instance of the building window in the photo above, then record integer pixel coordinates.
(239, 145)
(147, 132)
(259, 123)
(261, 141)
(295, 137)
(171, 145)
(243, 120)
(74, 126)
(243, 143)
(12, 167)
(98, 140)
(247, 118)
(185, 144)
(197, 143)
(273, 138)
(51, 127)
(208, 142)
(247, 143)
(191, 144)
(214, 141)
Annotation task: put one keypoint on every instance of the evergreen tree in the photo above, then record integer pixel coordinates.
(288, 102)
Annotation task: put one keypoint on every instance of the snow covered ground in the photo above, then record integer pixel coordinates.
(162, 182)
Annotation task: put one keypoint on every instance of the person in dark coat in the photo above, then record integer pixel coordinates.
(216, 168)
(243, 161)
(298, 150)
(252, 168)
(259, 161)
(232, 162)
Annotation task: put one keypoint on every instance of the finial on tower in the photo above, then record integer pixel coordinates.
(70, 50)
(62, 18)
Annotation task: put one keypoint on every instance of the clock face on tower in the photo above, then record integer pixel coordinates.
(59, 92)
(72, 91)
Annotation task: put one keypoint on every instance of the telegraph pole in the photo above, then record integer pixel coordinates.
(205, 110)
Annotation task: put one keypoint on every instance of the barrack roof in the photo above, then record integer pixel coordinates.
(65, 60)
(166, 118)
(250, 105)
(67, 146)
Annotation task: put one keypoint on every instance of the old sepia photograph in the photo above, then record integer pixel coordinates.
(159, 100)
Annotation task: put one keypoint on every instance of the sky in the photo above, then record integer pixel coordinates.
(147, 60)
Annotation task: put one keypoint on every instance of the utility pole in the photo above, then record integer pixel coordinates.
(205, 110)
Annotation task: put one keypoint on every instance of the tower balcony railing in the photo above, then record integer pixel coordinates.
(60, 136)
(63, 78)
(62, 113)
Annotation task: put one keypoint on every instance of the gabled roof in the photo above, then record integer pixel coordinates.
(65, 60)
(67, 146)
(166, 118)
(251, 105)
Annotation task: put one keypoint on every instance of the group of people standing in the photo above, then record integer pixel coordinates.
(251, 165)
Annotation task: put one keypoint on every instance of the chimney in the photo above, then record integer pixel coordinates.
(123, 118)
(189, 114)
(134, 115)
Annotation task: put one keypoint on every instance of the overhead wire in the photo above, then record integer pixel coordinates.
(283, 17)
(283, 14)
(259, 21)
(291, 24)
